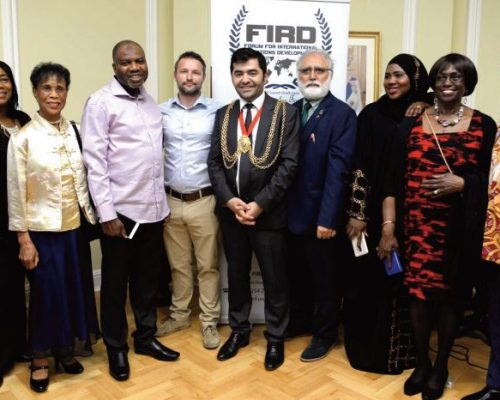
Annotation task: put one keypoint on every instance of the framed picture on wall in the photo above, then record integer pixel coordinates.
(362, 69)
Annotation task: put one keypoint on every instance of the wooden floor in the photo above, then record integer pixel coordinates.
(198, 375)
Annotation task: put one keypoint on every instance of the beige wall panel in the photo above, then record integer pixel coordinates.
(1, 36)
(79, 35)
(434, 30)
(165, 50)
(459, 33)
(384, 16)
(191, 31)
(488, 64)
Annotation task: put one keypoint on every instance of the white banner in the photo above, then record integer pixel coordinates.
(281, 30)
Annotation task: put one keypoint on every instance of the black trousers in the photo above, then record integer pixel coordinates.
(132, 263)
(269, 246)
(493, 376)
(12, 303)
(315, 285)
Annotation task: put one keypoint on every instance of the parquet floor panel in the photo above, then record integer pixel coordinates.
(197, 375)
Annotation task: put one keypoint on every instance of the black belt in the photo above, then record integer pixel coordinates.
(206, 191)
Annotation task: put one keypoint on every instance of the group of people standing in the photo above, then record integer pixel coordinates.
(420, 188)
(292, 184)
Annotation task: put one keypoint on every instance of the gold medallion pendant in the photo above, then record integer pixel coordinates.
(244, 144)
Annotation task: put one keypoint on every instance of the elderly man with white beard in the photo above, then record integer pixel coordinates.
(316, 205)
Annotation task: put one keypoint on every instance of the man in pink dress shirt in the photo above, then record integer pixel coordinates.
(122, 149)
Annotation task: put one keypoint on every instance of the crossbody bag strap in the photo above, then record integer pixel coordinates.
(77, 133)
(438, 144)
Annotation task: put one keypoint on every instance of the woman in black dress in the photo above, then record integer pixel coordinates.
(441, 193)
(12, 298)
(377, 331)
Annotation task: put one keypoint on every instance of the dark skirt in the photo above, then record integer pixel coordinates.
(62, 312)
(377, 331)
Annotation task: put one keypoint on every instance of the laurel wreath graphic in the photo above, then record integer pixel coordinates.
(234, 39)
(326, 36)
(234, 35)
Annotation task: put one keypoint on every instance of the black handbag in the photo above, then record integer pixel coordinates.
(90, 231)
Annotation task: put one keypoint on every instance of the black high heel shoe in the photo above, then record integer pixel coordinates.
(73, 367)
(434, 393)
(38, 385)
(417, 380)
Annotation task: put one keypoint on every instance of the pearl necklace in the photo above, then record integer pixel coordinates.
(55, 122)
(448, 122)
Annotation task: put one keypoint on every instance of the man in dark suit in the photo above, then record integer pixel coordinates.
(252, 162)
(316, 205)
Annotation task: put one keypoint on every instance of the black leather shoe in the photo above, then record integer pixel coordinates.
(275, 355)
(72, 367)
(417, 380)
(486, 393)
(232, 345)
(38, 385)
(157, 350)
(118, 365)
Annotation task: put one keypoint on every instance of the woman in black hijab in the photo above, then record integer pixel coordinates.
(12, 273)
(377, 330)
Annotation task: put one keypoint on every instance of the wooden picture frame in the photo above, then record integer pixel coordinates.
(362, 69)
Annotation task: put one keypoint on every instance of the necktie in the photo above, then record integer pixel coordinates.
(245, 165)
(248, 116)
(305, 113)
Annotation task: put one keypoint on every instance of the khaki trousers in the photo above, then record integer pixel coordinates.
(193, 226)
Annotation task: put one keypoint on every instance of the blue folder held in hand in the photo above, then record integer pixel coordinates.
(396, 265)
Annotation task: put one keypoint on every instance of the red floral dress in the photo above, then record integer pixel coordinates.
(426, 219)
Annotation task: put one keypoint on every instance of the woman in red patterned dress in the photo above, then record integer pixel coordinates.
(440, 199)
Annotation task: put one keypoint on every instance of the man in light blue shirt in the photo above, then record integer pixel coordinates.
(188, 121)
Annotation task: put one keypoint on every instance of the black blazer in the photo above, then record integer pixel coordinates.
(267, 186)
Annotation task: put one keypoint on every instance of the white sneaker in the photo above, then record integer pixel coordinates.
(211, 339)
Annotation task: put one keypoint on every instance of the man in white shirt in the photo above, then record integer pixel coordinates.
(188, 121)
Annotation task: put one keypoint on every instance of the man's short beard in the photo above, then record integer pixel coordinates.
(314, 93)
(194, 91)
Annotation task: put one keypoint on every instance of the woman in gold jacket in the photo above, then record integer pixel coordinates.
(47, 188)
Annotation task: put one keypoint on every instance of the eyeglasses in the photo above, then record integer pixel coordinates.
(454, 78)
(317, 70)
